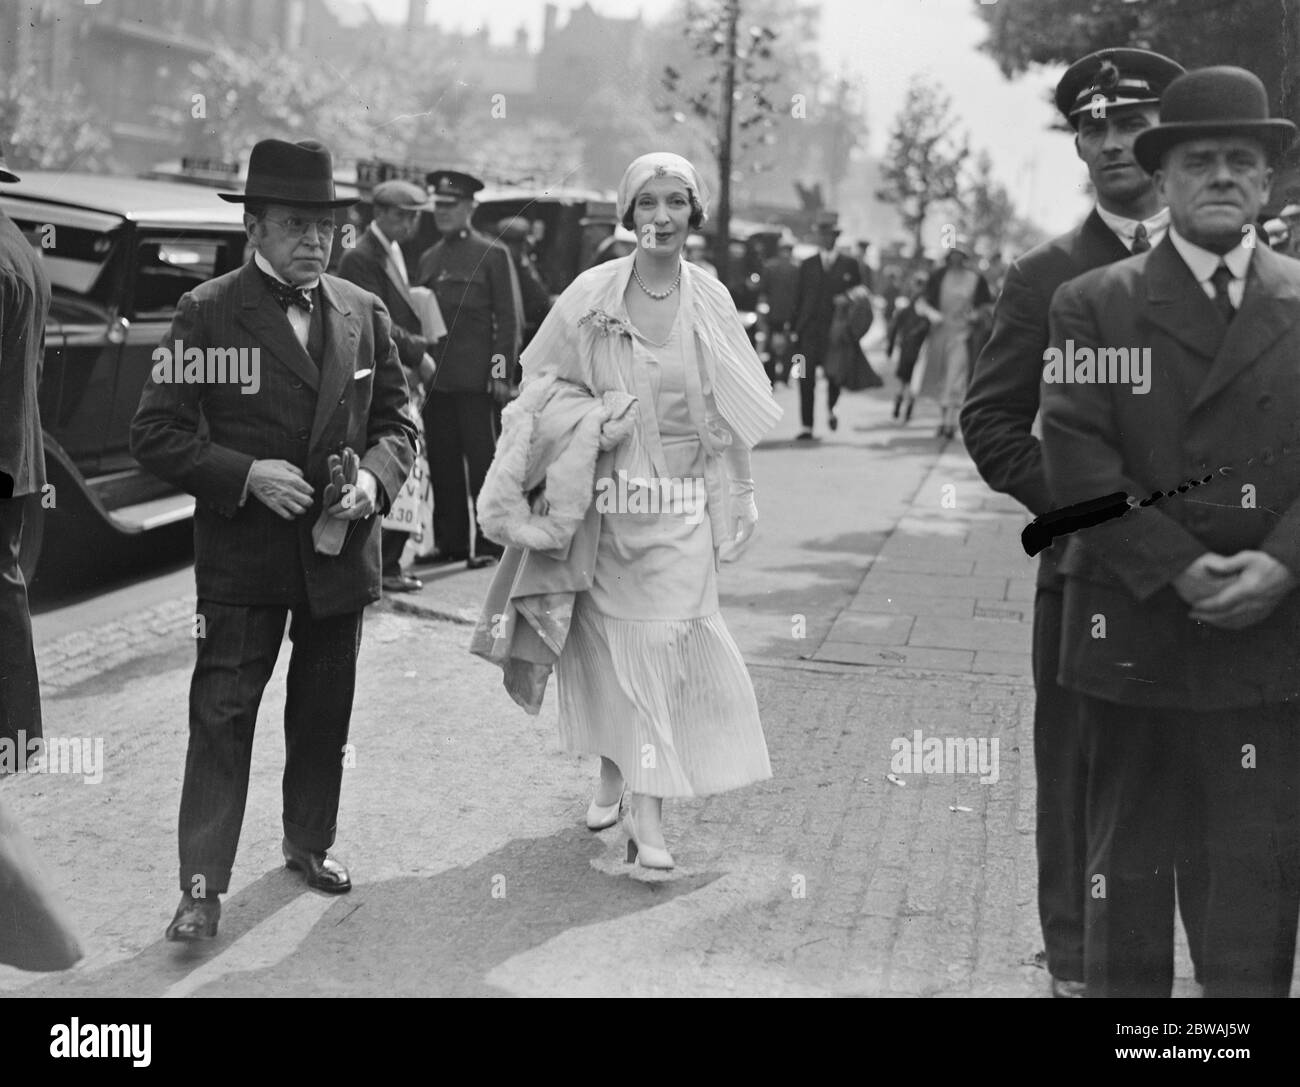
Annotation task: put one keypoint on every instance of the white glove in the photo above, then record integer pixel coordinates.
(744, 517)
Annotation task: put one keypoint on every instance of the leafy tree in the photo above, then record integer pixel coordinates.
(47, 129)
(1261, 35)
(986, 211)
(250, 96)
(924, 160)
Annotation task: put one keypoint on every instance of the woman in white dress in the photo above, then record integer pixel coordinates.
(649, 677)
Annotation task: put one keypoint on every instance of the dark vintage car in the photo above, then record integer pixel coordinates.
(119, 252)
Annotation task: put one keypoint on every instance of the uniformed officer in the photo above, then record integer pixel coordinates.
(474, 281)
(1108, 98)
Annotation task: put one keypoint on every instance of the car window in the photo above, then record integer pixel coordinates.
(74, 257)
(167, 267)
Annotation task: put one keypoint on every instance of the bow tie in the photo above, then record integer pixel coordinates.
(286, 295)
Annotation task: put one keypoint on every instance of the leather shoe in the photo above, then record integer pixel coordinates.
(480, 561)
(402, 583)
(1063, 987)
(196, 919)
(323, 872)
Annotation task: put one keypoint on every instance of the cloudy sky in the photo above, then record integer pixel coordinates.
(881, 43)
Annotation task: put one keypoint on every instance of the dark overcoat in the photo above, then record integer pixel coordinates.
(1002, 401)
(1223, 407)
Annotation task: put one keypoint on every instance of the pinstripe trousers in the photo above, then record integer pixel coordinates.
(235, 659)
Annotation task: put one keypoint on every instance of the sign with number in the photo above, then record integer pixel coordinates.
(404, 514)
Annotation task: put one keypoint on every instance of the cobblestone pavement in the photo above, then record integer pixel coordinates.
(873, 604)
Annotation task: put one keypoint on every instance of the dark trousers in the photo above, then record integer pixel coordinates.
(20, 689)
(1150, 772)
(235, 659)
(807, 386)
(1062, 774)
(391, 545)
(460, 432)
(1061, 832)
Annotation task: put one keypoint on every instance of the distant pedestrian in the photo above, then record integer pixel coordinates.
(778, 288)
(824, 278)
(958, 294)
(907, 333)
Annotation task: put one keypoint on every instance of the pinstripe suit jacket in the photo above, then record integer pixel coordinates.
(203, 437)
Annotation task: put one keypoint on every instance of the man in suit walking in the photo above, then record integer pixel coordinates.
(1171, 379)
(327, 381)
(474, 281)
(24, 304)
(376, 264)
(824, 279)
(1108, 98)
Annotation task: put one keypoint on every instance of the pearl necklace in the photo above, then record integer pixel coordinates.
(658, 296)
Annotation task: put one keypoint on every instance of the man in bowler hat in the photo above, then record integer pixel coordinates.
(1108, 98)
(257, 464)
(1180, 618)
(473, 279)
(376, 264)
(824, 279)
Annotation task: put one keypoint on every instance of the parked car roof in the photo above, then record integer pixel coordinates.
(160, 202)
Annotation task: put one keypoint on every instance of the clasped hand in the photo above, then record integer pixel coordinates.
(1233, 592)
(280, 486)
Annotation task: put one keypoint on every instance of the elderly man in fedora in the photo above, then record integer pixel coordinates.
(1172, 379)
(328, 383)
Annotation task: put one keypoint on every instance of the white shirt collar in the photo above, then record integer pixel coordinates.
(1202, 262)
(265, 265)
(1126, 229)
(384, 239)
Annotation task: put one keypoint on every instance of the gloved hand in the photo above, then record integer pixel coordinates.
(744, 517)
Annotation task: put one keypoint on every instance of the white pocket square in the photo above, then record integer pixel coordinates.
(362, 373)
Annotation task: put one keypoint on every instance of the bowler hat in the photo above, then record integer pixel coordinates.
(8, 177)
(297, 174)
(1114, 78)
(1217, 101)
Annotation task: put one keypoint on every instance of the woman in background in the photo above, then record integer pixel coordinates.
(956, 293)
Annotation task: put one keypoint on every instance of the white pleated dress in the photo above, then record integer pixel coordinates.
(650, 676)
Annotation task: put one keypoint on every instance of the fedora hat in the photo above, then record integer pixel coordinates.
(298, 174)
(6, 175)
(1217, 101)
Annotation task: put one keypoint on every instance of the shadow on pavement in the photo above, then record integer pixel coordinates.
(434, 935)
